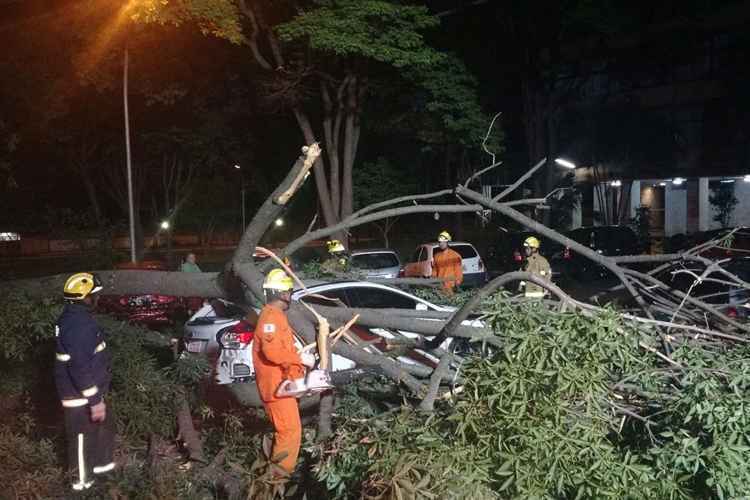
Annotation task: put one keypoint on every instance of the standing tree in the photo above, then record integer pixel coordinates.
(723, 201)
(379, 181)
(322, 58)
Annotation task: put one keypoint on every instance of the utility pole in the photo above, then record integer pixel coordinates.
(129, 167)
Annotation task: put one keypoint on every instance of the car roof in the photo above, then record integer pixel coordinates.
(358, 283)
(372, 250)
(435, 243)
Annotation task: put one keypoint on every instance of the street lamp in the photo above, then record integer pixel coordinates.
(242, 196)
(565, 163)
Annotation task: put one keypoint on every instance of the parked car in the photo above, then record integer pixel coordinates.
(151, 309)
(232, 330)
(420, 265)
(508, 254)
(376, 263)
(734, 301)
(604, 240)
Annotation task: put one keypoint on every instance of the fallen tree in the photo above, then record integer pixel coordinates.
(689, 318)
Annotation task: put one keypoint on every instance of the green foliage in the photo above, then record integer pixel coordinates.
(219, 18)
(724, 202)
(26, 323)
(30, 467)
(380, 181)
(453, 105)
(385, 31)
(541, 420)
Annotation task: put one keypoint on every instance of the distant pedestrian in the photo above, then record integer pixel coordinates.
(189, 265)
(82, 377)
(447, 263)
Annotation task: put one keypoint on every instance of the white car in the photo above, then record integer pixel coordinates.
(207, 329)
(420, 265)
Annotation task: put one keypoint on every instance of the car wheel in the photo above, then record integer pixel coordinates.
(246, 394)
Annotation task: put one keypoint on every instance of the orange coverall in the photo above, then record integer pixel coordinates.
(447, 264)
(275, 359)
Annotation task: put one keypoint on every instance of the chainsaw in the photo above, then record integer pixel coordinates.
(316, 380)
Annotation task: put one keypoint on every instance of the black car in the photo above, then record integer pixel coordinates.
(731, 300)
(604, 240)
(508, 254)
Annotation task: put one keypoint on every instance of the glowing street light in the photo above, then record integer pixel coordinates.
(565, 163)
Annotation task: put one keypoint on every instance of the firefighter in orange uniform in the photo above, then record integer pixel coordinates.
(275, 359)
(446, 263)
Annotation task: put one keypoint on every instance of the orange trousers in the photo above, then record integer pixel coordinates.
(284, 415)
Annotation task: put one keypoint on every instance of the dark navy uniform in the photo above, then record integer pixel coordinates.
(82, 376)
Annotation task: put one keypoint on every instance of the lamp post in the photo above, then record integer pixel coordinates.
(242, 198)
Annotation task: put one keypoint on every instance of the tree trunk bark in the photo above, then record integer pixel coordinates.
(321, 182)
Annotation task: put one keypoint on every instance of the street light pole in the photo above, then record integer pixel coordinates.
(131, 208)
(243, 208)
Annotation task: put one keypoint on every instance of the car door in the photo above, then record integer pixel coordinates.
(420, 265)
(381, 298)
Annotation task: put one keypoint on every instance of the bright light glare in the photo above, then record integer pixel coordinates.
(677, 181)
(10, 237)
(565, 163)
(279, 222)
(616, 183)
(164, 224)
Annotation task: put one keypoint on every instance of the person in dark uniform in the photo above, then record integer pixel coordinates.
(82, 377)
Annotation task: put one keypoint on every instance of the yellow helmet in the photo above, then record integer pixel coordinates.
(278, 280)
(335, 246)
(532, 242)
(445, 236)
(81, 285)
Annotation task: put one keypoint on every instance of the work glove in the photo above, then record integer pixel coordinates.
(308, 359)
(98, 412)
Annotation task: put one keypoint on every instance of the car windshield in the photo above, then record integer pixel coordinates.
(465, 251)
(375, 260)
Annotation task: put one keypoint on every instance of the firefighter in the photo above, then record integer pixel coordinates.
(275, 359)
(338, 260)
(535, 264)
(446, 263)
(82, 377)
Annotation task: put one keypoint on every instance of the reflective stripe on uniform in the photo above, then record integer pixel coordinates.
(102, 345)
(81, 484)
(61, 356)
(104, 468)
(74, 403)
(90, 391)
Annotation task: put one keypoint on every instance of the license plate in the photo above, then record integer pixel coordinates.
(195, 346)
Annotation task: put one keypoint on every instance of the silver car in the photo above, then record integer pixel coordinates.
(377, 262)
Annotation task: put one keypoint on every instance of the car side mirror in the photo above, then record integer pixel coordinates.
(421, 307)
